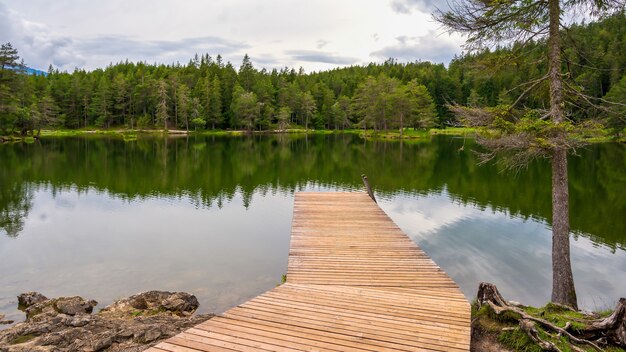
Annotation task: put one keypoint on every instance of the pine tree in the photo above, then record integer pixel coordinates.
(246, 110)
(215, 106)
(425, 113)
(283, 118)
(9, 102)
(120, 92)
(183, 102)
(8, 57)
(615, 104)
(307, 108)
(48, 113)
(162, 115)
(101, 104)
(493, 22)
(246, 74)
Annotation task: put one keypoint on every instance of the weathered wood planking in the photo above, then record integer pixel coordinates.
(355, 282)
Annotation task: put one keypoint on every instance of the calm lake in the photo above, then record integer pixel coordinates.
(105, 218)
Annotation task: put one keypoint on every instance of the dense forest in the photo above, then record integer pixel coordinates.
(208, 93)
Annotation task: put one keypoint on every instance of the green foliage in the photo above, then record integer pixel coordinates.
(506, 326)
(144, 121)
(615, 118)
(246, 110)
(198, 123)
(22, 339)
(374, 96)
(518, 341)
(162, 115)
(283, 117)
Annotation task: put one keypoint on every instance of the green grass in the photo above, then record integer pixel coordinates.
(136, 313)
(454, 131)
(22, 339)
(409, 134)
(506, 326)
(295, 130)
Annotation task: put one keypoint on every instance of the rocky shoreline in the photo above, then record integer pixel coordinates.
(130, 324)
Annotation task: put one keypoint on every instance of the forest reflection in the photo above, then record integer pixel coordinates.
(211, 170)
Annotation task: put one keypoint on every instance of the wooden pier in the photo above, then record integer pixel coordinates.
(355, 282)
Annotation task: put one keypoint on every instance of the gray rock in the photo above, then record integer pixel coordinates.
(153, 302)
(77, 320)
(4, 321)
(74, 305)
(50, 308)
(131, 324)
(27, 299)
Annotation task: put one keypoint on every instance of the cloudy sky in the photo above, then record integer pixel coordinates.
(314, 34)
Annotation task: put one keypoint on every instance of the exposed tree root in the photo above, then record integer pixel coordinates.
(528, 326)
(595, 333)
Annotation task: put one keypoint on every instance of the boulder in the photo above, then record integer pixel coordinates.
(153, 302)
(74, 305)
(130, 324)
(27, 299)
(62, 305)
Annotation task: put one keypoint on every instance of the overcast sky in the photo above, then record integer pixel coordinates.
(314, 34)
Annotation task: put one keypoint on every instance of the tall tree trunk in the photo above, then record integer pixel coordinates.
(175, 109)
(563, 290)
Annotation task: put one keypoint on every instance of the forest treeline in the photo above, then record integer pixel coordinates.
(208, 93)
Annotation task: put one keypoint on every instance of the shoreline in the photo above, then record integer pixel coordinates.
(145, 319)
(390, 135)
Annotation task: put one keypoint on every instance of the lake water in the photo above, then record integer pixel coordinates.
(106, 218)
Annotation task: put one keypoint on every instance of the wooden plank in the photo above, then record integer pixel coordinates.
(355, 282)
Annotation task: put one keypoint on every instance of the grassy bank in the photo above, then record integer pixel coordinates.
(15, 139)
(505, 332)
(408, 134)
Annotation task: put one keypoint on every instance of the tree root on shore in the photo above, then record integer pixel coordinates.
(590, 331)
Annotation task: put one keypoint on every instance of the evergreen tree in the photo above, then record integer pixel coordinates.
(246, 110)
(425, 113)
(120, 92)
(194, 114)
(8, 58)
(183, 103)
(307, 108)
(162, 115)
(493, 22)
(48, 114)
(216, 118)
(615, 105)
(283, 118)
(246, 74)
(101, 104)
(9, 103)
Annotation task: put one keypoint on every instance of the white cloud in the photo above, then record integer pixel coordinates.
(408, 6)
(433, 46)
(315, 35)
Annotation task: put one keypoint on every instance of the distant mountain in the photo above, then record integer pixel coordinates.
(30, 71)
(34, 71)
